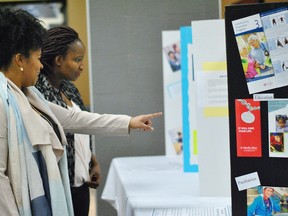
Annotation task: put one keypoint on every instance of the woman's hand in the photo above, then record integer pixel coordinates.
(143, 122)
(94, 172)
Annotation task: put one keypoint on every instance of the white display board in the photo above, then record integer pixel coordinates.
(209, 55)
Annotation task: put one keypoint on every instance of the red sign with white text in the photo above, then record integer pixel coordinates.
(248, 128)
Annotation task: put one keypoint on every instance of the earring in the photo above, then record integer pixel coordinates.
(21, 69)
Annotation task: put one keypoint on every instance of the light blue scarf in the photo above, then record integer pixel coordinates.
(40, 194)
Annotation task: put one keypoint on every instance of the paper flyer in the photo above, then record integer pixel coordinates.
(262, 41)
(276, 30)
(172, 90)
(278, 128)
(254, 54)
(248, 128)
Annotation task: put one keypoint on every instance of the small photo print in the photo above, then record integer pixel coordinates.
(267, 201)
(276, 142)
(173, 56)
(176, 137)
(281, 123)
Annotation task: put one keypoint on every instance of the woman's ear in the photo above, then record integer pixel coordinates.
(19, 59)
(58, 60)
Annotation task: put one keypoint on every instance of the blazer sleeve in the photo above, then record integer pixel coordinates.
(91, 123)
(7, 200)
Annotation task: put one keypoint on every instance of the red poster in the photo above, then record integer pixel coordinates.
(248, 128)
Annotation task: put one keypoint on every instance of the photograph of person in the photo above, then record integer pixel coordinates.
(173, 55)
(276, 142)
(259, 53)
(255, 57)
(281, 123)
(264, 201)
(176, 137)
(247, 62)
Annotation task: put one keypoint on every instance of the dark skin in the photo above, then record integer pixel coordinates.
(94, 173)
(69, 67)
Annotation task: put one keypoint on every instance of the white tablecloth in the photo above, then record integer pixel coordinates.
(140, 184)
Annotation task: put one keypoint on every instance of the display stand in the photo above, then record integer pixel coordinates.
(270, 170)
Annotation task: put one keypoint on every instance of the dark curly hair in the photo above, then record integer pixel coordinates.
(20, 32)
(57, 42)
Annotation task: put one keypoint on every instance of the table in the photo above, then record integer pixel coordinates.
(137, 185)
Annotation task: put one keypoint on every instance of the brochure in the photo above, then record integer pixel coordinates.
(248, 128)
(262, 41)
(278, 128)
(276, 30)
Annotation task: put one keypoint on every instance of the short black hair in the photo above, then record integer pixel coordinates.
(20, 32)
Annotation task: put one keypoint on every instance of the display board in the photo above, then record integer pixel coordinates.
(209, 65)
(258, 149)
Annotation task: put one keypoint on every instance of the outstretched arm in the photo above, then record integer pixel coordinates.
(143, 121)
(94, 123)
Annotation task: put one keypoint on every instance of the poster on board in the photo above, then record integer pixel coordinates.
(262, 41)
(278, 128)
(248, 128)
